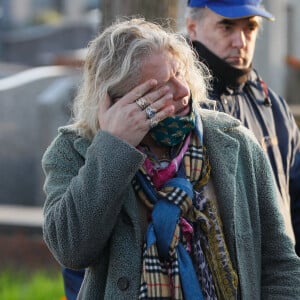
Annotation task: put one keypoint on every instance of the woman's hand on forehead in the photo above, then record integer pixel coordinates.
(133, 115)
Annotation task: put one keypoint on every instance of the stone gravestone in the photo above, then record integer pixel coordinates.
(21, 129)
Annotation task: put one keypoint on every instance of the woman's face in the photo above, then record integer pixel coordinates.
(168, 70)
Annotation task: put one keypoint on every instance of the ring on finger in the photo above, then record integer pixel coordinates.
(142, 103)
(153, 122)
(150, 112)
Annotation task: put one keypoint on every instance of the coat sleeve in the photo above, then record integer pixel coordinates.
(294, 186)
(295, 194)
(280, 275)
(84, 196)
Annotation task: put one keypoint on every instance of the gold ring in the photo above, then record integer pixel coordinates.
(142, 103)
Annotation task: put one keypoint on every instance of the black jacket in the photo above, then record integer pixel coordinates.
(244, 95)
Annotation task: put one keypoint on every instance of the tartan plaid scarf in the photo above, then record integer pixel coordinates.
(168, 271)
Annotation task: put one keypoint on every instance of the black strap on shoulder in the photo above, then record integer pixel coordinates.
(262, 92)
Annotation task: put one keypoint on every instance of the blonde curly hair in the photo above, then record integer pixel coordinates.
(114, 61)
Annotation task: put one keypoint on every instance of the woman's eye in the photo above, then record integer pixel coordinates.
(179, 73)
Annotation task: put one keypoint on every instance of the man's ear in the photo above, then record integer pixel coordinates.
(191, 28)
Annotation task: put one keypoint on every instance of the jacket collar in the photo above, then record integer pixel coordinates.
(224, 74)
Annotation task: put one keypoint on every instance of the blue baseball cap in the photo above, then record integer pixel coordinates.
(233, 9)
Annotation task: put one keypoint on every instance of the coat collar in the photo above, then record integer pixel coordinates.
(224, 74)
(81, 143)
(212, 121)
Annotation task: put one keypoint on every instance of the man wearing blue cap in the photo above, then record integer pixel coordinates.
(223, 33)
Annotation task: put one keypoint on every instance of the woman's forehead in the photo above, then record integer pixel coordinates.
(160, 65)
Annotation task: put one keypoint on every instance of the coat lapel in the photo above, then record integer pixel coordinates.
(81, 145)
(223, 155)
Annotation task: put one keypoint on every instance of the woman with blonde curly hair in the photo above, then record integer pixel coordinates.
(153, 197)
(113, 67)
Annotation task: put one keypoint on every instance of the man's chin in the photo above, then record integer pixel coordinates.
(240, 67)
(238, 64)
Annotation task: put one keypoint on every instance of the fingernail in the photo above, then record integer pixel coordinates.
(153, 82)
(166, 88)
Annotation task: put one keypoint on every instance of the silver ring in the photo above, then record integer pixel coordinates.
(150, 112)
(153, 122)
(142, 103)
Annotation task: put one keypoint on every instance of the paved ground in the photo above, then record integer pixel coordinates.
(21, 242)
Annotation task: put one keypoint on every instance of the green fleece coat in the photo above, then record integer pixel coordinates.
(93, 219)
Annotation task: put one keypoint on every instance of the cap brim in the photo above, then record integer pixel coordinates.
(236, 12)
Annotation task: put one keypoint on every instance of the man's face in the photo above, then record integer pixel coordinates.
(232, 40)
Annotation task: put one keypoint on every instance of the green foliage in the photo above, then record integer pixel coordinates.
(38, 285)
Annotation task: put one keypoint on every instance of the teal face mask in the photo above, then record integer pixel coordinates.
(172, 130)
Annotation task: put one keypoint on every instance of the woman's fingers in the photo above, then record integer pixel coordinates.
(152, 97)
(138, 91)
(162, 102)
(160, 115)
(104, 107)
(144, 94)
(131, 116)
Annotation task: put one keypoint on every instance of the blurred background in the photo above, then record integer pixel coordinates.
(42, 47)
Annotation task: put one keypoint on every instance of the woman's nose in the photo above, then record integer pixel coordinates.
(180, 89)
